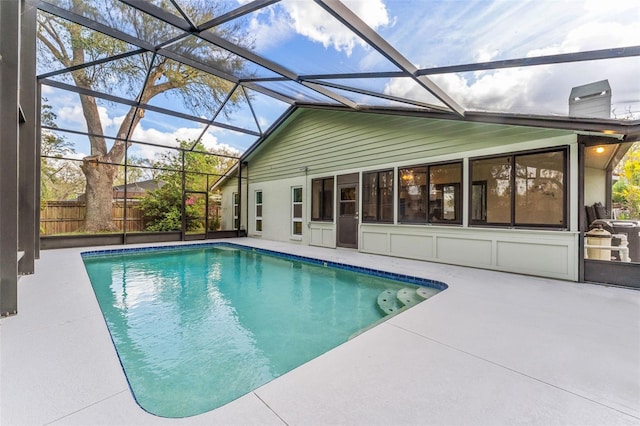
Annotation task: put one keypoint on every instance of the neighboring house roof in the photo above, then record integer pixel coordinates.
(142, 186)
(133, 190)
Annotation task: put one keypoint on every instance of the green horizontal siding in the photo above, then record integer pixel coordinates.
(331, 141)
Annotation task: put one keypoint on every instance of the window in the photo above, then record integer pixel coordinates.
(296, 211)
(441, 203)
(479, 201)
(377, 196)
(527, 189)
(540, 189)
(236, 211)
(348, 201)
(322, 199)
(445, 198)
(491, 185)
(412, 194)
(258, 211)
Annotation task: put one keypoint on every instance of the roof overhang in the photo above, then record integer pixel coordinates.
(623, 130)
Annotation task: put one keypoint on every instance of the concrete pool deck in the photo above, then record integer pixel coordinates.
(492, 349)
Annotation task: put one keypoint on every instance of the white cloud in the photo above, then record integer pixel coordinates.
(269, 29)
(105, 119)
(73, 114)
(447, 33)
(169, 139)
(117, 121)
(591, 37)
(46, 90)
(407, 87)
(543, 89)
(70, 116)
(484, 55)
(306, 18)
(502, 90)
(264, 122)
(77, 155)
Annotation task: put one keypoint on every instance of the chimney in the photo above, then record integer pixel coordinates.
(591, 100)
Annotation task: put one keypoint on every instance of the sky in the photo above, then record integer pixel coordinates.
(451, 32)
(302, 37)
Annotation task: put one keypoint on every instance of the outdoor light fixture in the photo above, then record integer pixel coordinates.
(600, 149)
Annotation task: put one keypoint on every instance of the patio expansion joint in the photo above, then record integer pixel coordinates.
(528, 376)
(86, 406)
(255, 393)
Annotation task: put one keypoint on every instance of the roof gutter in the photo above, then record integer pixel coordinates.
(623, 129)
(604, 126)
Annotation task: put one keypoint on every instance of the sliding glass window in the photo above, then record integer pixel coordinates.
(412, 194)
(440, 203)
(525, 189)
(445, 193)
(377, 196)
(491, 190)
(540, 189)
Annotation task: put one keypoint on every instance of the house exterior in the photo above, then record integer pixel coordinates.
(132, 191)
(441, 190)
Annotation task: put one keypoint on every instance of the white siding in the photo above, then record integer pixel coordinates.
(544, 253)
(276, 210)
(594, 186)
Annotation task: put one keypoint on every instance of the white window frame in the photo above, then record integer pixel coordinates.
(294, 219)
(258, 217)
(235, 199)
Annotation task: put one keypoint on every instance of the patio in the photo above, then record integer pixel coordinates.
(494, 348)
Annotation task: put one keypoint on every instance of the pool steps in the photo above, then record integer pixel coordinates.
(392, 302)
(388, 302)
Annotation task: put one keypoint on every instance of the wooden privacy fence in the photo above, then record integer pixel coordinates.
(63, 217)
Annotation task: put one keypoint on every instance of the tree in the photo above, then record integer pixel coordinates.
(72, 45)
(163, 206)
(60, 179)
(627, 189)
(139, 169)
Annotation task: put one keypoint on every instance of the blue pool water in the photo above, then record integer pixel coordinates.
(197, 327)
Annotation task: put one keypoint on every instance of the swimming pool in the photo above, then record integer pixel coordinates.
(197, 326)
